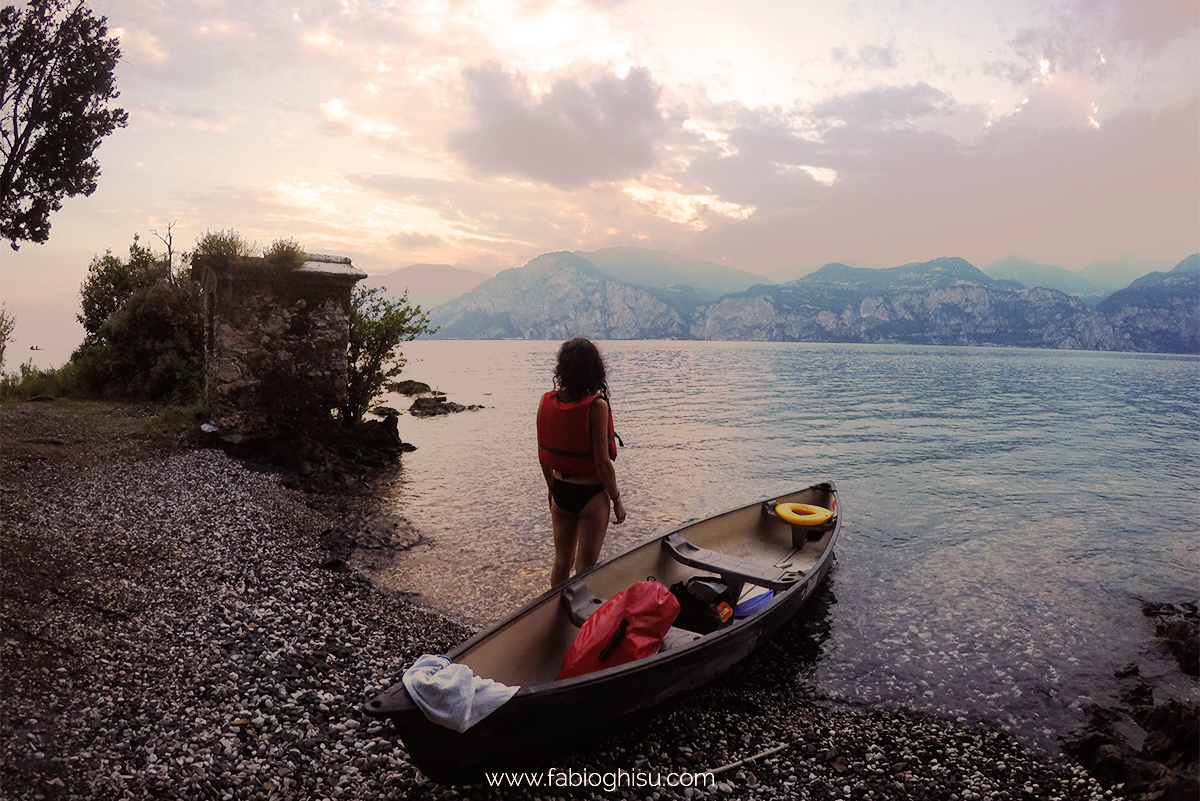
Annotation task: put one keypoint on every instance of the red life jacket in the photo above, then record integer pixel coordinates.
(564, 443)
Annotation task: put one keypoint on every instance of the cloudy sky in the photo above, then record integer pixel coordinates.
(765, 134)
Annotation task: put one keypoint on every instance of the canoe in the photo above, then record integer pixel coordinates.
(750, 549)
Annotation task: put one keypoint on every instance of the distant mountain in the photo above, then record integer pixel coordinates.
(942, 302)
(1030, 274)
(1159, 312)
(918, 275)
(660, 269)
(428, 285)
(1113, 274)
(782, 275)
(561, 295)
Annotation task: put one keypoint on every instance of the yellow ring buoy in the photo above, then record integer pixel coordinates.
(802, 514)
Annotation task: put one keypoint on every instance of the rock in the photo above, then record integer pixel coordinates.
(1152, 750)
(437, 405)
(1178, 625)
(1140, 694)
(409, 387)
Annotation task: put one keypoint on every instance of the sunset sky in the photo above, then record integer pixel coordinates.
(764, 134)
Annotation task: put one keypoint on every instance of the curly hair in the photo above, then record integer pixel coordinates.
(580, 369)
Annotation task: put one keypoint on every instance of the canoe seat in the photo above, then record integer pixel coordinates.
(731, 568)
(675, 637)
(578, 602)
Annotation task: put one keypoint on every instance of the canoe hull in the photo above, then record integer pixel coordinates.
(545, 721)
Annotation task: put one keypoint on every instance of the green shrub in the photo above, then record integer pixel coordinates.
(285, 253)
(377, 327)
(226, 243)
(149, 349)
(30, 381)
(110, 282)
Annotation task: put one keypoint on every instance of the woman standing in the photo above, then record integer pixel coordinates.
(576, 446)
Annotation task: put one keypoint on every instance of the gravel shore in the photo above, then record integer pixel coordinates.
(169, 631)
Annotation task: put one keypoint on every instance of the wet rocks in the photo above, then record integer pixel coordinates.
(1152, 751)
(1178, 626)
(437, 405)
(409, 387)
(328, 457)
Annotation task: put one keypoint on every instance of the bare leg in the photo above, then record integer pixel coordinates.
(589, 532)
(565, 526)
(577, 538)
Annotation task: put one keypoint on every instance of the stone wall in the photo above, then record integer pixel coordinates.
(275, 342)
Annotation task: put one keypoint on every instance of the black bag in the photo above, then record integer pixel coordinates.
(705, 604)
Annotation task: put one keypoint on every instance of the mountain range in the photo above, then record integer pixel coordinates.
(631, 293)
(1031, 274)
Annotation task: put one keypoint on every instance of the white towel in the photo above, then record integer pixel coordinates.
(451, 695)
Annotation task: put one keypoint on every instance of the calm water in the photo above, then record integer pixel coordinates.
(1005, 509)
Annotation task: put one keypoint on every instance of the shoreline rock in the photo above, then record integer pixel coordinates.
(438, 405)
(1150, 750)
(409, 387)
(1178, 625)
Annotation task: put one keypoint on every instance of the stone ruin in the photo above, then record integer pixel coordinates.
(275, 342)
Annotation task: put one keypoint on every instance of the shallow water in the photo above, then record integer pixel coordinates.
(1005, 510)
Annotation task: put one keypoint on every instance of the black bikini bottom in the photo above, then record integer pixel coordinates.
(573, 497)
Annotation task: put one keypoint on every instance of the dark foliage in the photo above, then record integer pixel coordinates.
(150, 349)
(55, 86)
(110, 282)
(145, 331)
(378, 326)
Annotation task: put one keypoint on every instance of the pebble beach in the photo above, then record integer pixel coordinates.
(173, 628)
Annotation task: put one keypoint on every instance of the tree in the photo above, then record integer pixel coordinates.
(7, 324)
(109, 284)
(56, 83)
(377, 327)
(145, 330)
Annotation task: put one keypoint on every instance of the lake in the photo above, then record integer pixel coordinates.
(1005, 510)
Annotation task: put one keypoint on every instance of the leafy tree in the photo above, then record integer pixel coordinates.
(55, 85)
(378, 325)
(110, 283)
(145, 330)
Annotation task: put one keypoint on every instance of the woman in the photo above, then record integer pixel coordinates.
(576, 446)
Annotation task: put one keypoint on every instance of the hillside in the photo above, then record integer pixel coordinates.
(557, 296)
(943, 302)
(1112, 275)
(660, 269)
(946, 301)
(1031, 274)
(1159, 312)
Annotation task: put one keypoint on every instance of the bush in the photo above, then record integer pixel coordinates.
(110, 282)
(30, 381)
(150, 349)
(145, 329)
(377, 327)
(226, 243)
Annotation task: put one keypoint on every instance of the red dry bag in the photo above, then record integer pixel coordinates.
(628, 626)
